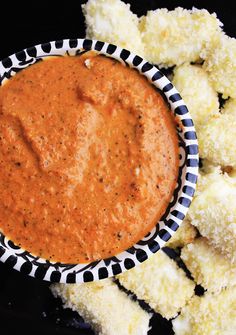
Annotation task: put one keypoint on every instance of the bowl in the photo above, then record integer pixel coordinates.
(176, 210)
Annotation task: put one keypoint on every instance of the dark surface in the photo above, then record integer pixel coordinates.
(37, 22)
(26, 304)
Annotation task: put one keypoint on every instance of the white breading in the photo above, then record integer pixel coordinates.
(211, 314)
(213, 211)
(112, 21)
(184, 235)
(161, 283)
(220, 64)
(195, 88)
(178, 36)
(208, 266)
(108, 310)
(216, 139)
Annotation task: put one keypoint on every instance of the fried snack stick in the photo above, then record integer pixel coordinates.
(108, 310)
(112, 21)
(211, 314)
(195, 88)
(220, 64)
(208, 266)
(217, 135)
(161, 283)
(216, 140)
(213, 211)
(178, 36)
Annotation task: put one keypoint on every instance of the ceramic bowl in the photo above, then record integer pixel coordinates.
(29, 264)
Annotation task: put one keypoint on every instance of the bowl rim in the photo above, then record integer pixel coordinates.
(43, 269)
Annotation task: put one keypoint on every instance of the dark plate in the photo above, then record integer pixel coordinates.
(26, 304)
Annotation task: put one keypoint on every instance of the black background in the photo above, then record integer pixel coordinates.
(26, 304)
(26, 24)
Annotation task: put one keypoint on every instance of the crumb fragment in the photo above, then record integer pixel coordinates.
(137, 171)
(88, 63)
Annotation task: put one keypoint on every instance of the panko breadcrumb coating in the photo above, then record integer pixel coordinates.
(161, 283)
(216, 139)
(112, 21)
(213, 211)
(211, 314)
(178, 36)
(208, 266)
(184, 235)
(195, 88)
(220, 64)
(108, 310)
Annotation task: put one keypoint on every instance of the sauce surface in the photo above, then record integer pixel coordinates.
(88, 158)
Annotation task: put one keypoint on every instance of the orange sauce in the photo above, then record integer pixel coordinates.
(88, 158)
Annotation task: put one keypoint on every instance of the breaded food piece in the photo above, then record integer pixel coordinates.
(195, 88)
(161, 283)
(108, 310)
(213, 211)
(211, 314)
(178, 36)
(184, 235)
(220, 64)
(112, 21)
(208, 266)
(216, 139)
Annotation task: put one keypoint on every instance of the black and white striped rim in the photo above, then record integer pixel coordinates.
(22, 260)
